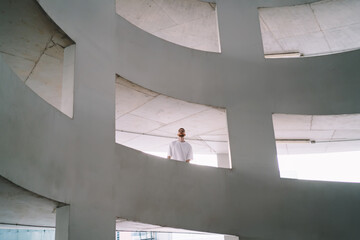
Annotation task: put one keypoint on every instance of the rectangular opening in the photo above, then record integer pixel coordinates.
(318, 147)
(129, 230)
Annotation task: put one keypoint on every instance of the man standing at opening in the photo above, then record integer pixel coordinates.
(180, 150)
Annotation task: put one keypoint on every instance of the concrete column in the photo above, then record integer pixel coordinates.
(93, 221)
(223, 160)
(62, 223)
(67, 93)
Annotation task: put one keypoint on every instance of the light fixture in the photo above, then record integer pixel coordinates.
(295, 141)
(283, 55)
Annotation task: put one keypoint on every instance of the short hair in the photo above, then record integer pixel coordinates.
(181, 130)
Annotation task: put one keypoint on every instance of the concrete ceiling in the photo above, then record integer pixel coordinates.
(33, 46)
(148, 121)
(20, 208)
(331, 133)
(318, 28)
(189, 23)
(322, 27)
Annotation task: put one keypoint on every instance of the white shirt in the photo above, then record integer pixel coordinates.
(180, 151)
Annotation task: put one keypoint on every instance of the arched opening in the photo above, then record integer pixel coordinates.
(149, 122)
(189, 23)
(26, 215)
(39, 52)
(319, 28)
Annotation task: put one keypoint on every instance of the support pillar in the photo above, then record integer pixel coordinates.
(62, 223)
(223, 160)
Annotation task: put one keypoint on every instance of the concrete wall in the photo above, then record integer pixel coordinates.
(76, 161)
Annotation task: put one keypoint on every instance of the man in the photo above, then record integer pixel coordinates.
(180, 150)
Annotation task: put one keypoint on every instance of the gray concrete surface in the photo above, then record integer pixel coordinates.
(33, 46)
(77, 161)
(24, 209)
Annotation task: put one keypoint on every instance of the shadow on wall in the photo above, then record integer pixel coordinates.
(39, 52)
(189, 23)
(149, 121)
(26, 215)
(318, 147)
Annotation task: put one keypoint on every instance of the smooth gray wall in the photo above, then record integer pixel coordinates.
(77, 161)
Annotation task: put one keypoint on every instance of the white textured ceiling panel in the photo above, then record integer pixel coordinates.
(128, 99)
(137, 124)
(189, 23)
(345, 121)
(331, 133)
(200, 123)
(291, 122)
(167, 110)
(336, 14)
(292, 21)
(318, 28)
(46, 79)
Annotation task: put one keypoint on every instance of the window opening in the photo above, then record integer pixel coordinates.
(128, 230)
(39, 52)
(26, 215)
(319, 28)
(189, 23)
(149, 122)
(318, 147)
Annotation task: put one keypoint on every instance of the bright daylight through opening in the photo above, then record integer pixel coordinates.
(129, 230)
(313, 147)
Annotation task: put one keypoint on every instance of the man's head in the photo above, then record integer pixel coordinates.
(181, 132)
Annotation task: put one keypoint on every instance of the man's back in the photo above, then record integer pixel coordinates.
(180, 151)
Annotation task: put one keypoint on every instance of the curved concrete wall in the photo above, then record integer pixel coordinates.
(77, 162)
